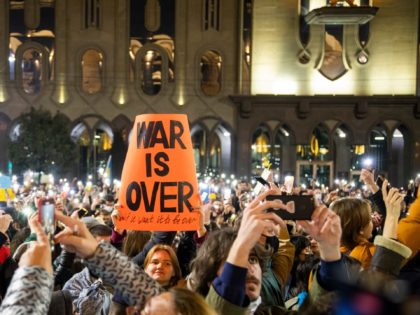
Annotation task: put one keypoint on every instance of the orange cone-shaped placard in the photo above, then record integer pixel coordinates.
(159, 188)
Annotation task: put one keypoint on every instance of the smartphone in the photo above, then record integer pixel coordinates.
(299, 207)
(380, 181)
(262, 181)
(82, 212)
(288, 183)
(46, 216)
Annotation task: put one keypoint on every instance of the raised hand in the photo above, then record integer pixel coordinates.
(325, 228)
(76, 236)
(39, 252)
(5, 221)
(254, 222)
(393, 200)
(368, 179)
(115, 216)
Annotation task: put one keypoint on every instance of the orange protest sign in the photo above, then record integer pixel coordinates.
(158, 184)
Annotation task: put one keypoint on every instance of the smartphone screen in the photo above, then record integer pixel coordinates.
(296, 207)
(288, 183)
(46, 216)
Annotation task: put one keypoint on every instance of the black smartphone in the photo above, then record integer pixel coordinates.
(380, 181)
(297, 207)
(262, 181)
(82, 212)
(46, 215)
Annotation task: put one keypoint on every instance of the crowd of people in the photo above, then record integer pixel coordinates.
(359, 253)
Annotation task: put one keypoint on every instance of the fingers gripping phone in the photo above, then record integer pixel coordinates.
(262, 181)
(46, 216)
(295, 207)
(380, 181)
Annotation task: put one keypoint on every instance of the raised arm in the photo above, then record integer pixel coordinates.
(108, 263)
(32, 284)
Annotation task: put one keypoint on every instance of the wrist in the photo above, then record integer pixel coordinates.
(330, 253)
(238, 254)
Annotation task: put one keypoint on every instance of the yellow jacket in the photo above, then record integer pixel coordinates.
(409, 227)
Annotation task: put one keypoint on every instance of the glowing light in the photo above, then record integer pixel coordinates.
(343, 85)
(66, 188)
(397, 134)
(367, 162)
(16, 187)
(226, 133)
(27, 211)
(341, 133)
(284, 86)
(226, 193)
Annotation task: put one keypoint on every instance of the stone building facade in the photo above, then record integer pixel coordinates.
(262, 83)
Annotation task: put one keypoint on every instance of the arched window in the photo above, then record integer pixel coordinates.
(151, 72)
(378, 148)
(260, 149)
(198, 137)
(211, 148)
(318, 148)
(342, 152)
(211, 72)
(400, 155)
(215, 152)
(94, 147)
(92, 71)
(32, 70)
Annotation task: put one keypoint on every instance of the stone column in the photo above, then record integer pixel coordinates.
(4, 50)
(121, 62)
(179, 97)
(60, 94)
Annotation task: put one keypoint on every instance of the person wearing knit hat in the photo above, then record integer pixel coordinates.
(88, 292)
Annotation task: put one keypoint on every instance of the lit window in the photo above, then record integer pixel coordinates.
(211, 73)
(92, 65)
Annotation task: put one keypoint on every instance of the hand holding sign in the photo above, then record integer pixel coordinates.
(158, 184)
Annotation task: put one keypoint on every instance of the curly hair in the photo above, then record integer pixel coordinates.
(209, 257)
(213, 253)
